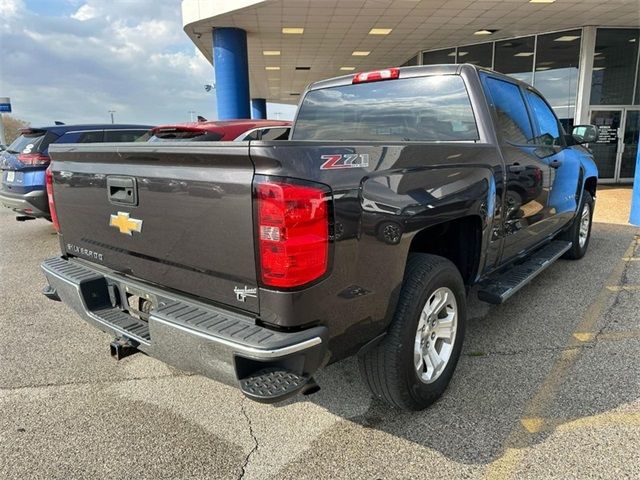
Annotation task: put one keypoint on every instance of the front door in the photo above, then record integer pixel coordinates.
(617, 146)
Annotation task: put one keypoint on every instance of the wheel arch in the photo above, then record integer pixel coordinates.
(458, 240)
(591, 185)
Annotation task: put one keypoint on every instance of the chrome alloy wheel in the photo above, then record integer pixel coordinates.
(436, 335)
(585, 219)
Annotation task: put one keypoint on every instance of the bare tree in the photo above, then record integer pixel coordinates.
(12, 127)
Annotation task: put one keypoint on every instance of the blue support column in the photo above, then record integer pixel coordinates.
(231, 72)
(258, 108)
(634, 218)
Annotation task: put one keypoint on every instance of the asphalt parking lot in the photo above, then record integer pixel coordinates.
(548, 387)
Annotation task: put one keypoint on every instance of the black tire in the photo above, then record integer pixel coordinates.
(388, 368)
(572, 235)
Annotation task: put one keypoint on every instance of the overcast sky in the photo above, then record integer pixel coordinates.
(74, 60)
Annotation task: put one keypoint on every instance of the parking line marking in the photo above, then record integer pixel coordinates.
(616, 336)
(531, 421)
(584, 337)
(532, 425)
(626, 288)
(604, 420)
(536, 425)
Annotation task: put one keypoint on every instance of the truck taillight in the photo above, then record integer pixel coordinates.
(292, 230)
(376, 75)
(33, 158)
(52, 206)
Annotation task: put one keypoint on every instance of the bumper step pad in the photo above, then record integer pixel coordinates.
(499, 288)
(272, 384)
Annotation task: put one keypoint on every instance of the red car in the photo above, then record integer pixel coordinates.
(224, 130)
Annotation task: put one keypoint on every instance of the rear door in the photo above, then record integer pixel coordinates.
(525, 208)
(179, 215)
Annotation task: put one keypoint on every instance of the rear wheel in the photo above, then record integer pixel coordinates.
(579, 233)
(414, 363)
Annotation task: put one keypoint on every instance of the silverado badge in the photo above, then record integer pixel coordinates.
(125, 224)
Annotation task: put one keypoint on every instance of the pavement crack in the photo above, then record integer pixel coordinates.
(4, 388)
(247, 459)
(527, 351)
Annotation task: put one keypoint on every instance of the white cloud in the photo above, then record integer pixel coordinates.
(10, 8)
(132, 57)
(85, 12)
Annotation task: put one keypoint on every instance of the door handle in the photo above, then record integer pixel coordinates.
(555, 163)
(122, 190)
(516, 168)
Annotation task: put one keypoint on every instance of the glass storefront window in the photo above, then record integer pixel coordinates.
(447, 55)
(636, 98)
(614, 66)
(413, 61)
(515, 57)
(480, 55)
(557, 60)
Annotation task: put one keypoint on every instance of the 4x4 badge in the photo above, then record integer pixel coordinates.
(243, 293)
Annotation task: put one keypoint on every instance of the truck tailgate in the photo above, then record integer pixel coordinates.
(179, 215)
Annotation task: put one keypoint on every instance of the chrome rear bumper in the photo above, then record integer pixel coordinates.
(183, 332)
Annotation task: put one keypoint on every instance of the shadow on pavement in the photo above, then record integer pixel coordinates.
(509, 352)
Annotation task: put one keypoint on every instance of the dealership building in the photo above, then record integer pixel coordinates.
(582, 55)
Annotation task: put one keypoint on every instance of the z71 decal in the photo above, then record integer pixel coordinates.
(348, 160)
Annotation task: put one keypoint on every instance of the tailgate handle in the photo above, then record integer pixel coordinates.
(122, 190)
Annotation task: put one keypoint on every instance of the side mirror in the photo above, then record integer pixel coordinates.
(584, 134)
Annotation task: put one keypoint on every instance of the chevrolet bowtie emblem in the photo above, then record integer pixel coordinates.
(125, 224)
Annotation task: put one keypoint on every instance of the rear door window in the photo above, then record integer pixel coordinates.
(431, 108)
(123, 135)
(255, 135)
(513, 120)
(274, 134)
(91, 136)
(175, 135)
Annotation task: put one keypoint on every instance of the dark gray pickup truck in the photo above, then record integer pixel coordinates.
(258, 263)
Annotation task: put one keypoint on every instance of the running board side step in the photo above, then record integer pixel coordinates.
(275, 384)
(499, 288)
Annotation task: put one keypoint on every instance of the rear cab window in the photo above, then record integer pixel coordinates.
(433, 108)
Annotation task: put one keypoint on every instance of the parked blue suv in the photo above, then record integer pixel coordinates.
(24, 162)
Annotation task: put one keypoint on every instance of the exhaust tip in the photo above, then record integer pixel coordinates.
(310, 388)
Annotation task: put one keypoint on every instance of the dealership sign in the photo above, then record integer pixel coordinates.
(5, 104)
